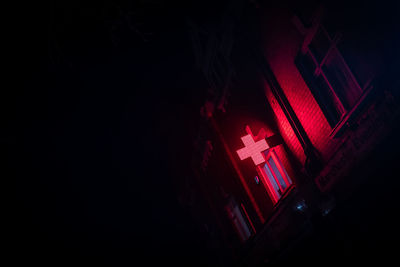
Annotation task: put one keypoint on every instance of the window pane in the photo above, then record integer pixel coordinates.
(320, 44)
(284, 170)
(308, 62)
(240, 224)
(327, 100)
(272, 180)
(277, 173)
(341, 79)
(319, 88)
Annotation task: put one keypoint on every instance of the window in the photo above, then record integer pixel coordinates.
(275, 177)
(240, 224)
(326, 73)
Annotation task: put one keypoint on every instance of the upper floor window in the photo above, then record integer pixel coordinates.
(327, 74)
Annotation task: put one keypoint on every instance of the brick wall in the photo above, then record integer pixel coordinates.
(281, 43)
(284, 127)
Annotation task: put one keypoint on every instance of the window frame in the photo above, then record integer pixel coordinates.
(275, 195)
(345, 114)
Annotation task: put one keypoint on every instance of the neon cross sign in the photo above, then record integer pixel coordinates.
(253, 149)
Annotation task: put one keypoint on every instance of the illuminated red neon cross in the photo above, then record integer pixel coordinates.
(252, 149)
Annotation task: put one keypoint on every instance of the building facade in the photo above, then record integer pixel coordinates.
(299, 129)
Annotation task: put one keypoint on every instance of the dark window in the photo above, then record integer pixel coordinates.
(320, 45)
(328, 76)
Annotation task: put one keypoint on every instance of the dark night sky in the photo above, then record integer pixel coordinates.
(98, 134)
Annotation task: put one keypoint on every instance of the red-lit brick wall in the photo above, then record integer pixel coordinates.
(281, 43)
(286, 130)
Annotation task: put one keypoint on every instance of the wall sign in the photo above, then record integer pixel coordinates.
(269, 168)
(253, 149)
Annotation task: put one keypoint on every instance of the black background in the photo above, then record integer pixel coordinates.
(98, 129)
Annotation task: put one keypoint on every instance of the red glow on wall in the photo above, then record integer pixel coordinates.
(253, 149)
(238, 171)
(280, 50)
(285, 129)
